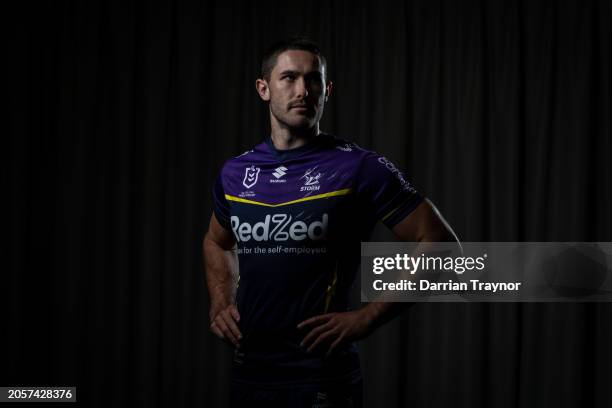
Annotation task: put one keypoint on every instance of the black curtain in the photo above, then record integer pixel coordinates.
(121, 114)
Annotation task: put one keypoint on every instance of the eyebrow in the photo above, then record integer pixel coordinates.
(287, 72)
(291, 72)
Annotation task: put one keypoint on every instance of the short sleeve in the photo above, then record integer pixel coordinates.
(220, 204)
(384, 190)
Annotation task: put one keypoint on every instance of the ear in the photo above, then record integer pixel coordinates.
(262, 89)
(328, 89)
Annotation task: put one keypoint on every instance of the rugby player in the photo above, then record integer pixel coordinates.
(283, 246)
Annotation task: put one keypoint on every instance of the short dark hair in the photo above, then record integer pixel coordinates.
(295, 43)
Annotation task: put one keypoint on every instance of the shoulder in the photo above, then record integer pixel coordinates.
(246, 158)
(361, 156)
(367, 164)
(373, 167)
(345, 148)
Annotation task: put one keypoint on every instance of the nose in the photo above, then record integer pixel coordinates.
(301, 88)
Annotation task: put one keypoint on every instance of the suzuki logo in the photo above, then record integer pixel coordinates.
(250, 176)
(279, 172)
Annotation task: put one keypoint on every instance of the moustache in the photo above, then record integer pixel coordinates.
(300, 105)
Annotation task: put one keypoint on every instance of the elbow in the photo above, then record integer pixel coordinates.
(437, 237)
(439, 233)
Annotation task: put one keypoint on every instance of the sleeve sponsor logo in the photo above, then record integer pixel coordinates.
(391, 167)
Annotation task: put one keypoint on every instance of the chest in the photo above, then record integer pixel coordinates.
(293, 202)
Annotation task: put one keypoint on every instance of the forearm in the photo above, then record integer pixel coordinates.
(380, 312)
(221, 275)
(387, 306)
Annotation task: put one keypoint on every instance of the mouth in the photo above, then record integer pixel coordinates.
(301, 108)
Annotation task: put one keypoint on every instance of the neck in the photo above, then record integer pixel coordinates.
(285, 138)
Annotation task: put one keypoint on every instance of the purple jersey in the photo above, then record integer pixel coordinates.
(298, 217)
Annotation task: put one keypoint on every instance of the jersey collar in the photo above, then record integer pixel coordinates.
(282, 155)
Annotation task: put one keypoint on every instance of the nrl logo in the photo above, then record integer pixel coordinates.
(250, 176)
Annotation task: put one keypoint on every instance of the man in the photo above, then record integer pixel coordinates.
(295, 209)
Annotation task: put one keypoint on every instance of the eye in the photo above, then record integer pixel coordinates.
(289, 78)
(315, 79)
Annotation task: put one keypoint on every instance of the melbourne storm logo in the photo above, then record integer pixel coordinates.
(250, 176)
(312, 180)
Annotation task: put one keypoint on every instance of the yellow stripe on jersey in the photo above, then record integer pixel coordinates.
(331, 290)
(314, 197)
(390, 213)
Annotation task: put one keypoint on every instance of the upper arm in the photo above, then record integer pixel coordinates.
(392, 199)
(219, 229)
(424, 223)
(219, 235)
(383, 190)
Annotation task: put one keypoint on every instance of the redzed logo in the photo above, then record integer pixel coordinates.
(279, 227)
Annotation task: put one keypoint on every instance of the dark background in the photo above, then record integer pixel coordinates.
(121, 114)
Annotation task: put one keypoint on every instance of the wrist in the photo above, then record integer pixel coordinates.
(370, 313)
(217, 306)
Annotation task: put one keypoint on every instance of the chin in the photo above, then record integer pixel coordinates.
(301, 124)
(298, 122)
